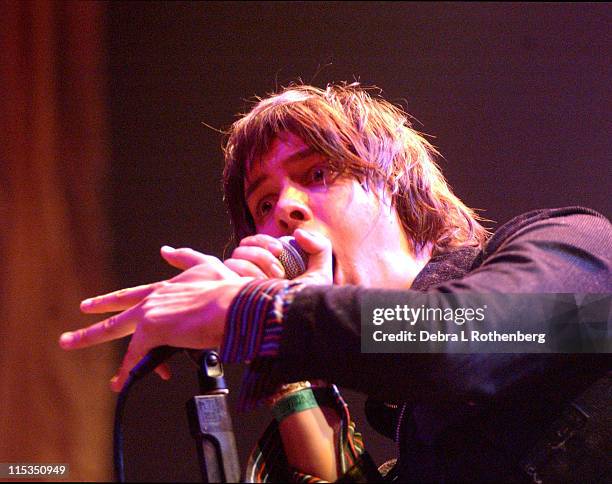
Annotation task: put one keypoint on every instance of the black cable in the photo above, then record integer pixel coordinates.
(117, 432)
(153, 359)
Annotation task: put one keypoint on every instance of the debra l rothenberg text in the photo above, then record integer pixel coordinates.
(412, 315)
(472, 336)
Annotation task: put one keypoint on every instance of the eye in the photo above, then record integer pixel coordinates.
(319, 175)
(264, 207)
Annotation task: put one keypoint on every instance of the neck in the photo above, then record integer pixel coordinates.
(397, 269)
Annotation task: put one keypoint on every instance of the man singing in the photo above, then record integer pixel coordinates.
(343, 171)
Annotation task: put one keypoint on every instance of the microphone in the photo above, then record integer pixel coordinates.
(293, 259)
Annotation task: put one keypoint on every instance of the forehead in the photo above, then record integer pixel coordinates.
(285, 148)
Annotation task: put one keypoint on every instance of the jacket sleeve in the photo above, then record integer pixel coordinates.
(563, 253)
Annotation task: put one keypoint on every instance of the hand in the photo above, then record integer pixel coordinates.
(187, 311)
(257, 256)
(320, 261)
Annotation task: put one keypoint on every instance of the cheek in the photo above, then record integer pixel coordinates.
(348, 219)
(269, 228)
(333, 212)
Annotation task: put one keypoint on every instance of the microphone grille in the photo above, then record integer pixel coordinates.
(293, 258)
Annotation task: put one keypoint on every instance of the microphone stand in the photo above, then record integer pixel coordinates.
(210, 423)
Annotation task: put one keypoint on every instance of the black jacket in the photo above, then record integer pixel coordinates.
(466, 416)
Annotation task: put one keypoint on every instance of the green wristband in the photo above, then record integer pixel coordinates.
(294, 403)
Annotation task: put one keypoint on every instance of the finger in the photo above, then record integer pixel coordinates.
(320, 252)
(112, 328)
(183, 258)
(136, 351)
(245, 268)
(265, 242)
(164, 371)
(212, 270)
(262, 258)
(117, 300)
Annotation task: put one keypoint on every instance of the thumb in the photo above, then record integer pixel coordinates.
(319, 250)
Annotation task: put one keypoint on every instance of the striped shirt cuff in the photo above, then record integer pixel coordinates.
(255, 320)
(253, 330)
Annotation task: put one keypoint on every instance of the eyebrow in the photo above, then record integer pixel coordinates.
(298, 155)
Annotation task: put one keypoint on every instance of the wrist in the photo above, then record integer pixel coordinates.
(285, 390)
(247, 303)
(293, 403)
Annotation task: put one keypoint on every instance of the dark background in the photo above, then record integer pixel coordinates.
(515, 95)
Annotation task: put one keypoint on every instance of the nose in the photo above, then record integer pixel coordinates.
(292, 210)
